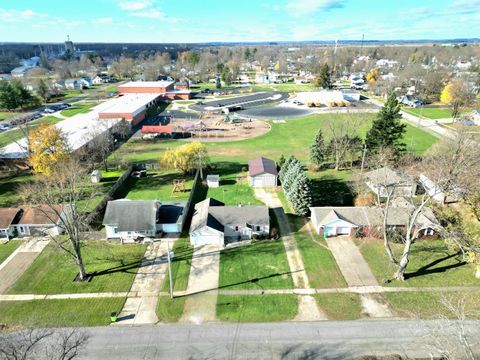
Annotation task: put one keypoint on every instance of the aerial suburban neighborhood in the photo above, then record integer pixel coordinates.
(171, 190)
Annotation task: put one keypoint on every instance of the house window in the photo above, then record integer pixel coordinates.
(115, 230)
(237, 228)
(22, 229)
(258, 228)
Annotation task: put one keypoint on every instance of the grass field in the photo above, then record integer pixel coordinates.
(59, 313)
(8, 248)
(7, 115)
(53, 271)
(430, 113)
(157, 185)
(427, 305)
(261, 265)
(77, 109)
(256, 308)
(170, 310)
(10, 136)
(322, 270)
(431, 264)
(341, 306)
(232, 190)
(290, 138)
(9, 187)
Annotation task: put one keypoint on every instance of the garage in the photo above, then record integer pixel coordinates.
(262, 172)
(330, 231)
(205, 237)
(343, 230)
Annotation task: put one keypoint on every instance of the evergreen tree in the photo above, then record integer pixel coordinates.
(281, 161)
(301, 194)
(387, 130)
(284, 168)
(294, 169)
(317, 149)
(324, 79)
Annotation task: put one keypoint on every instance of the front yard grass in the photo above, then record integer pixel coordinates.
(320, 265)
(170, 310)
(180, 265)
(53, 271)
(59, 313)
(431, 264)
(340, 306)
(234, 188)
(256, 308)
(427, 305)
(260, 265)
(8, 248)
(430, 113)
(9, 187)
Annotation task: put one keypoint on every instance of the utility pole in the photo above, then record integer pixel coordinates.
(363, 157)
(169, 268)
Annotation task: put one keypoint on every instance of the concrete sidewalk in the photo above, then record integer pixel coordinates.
(202, 289)
(140, 306)
(19, 261)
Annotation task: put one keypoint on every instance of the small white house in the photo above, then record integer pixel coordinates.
(437, 193)
(41, 220)
(213, 181)
(85, 82)
(73, 84)
(262, 172)
(95, 176)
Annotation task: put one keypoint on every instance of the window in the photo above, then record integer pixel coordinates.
(237, 228)
(258, 228)
(115, 230)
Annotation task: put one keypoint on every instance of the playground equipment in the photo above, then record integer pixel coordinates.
(178, 186)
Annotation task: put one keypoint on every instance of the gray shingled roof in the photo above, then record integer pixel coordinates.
(386, 176)
(215, 214)
(131, 215)
(262, 165)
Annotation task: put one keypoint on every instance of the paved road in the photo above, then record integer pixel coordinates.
(292, 340)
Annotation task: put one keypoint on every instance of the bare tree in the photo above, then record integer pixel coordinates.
(42, 344)
(60, 197)
(342, 136)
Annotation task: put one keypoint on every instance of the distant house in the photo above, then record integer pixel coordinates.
(129, 220)
(368, 221)
(438, 194)
(73, 84)
(262, 172)
(20, 72)
(95, 176)
(41, 220)
(9, 218)
(411, 101)
(261, 77)
(383, 179)
(213, 181)
(215, 223)
(85, 82)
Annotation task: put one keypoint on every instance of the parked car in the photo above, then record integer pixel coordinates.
(37, 115)
(49, 110)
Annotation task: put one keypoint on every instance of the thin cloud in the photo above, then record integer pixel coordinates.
(135, 5)
(103, 20)
(304, 7)
(19, 15)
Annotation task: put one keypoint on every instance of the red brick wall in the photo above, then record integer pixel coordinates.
(177, 96)
(140, 89)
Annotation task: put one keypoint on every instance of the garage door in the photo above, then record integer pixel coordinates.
(170, 228)
(198, 240)
(258, 182)
(330, 231)
(343, 231)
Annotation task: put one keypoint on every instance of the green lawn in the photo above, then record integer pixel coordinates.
(157, 185)
(429, 304)
(322, 270)
(234, 188)
(59, 313)
(77, 109)
(72, 93)
(53, 272)
(170, 310)
(332, 188)
(290, 138)
(180, 264)
(9, 187)
(256, 308)
(261, 265)
(431, 113)
(8, 248)
(340, 306)
(431, 264)
(10, 136)
(7, 114)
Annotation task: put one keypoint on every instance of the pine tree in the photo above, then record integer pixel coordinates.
(284, 168)
(324, 79)
(317, 149)
(301, 194)
(281, 161)
(387, 130)
(293, 170)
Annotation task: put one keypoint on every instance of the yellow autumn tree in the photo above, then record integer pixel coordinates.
(48, 147)
(373, 75)
(456, 95)
(186, 158)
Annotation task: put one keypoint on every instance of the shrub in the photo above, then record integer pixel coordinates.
(366, 199)
(313, 167)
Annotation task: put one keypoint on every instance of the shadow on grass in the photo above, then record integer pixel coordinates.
(330, 191)
(429, 268)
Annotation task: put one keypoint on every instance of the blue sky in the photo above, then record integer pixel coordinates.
(161, 21)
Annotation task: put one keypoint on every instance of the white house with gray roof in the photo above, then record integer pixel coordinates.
(132, 219)
(215, 223)
(382, 181)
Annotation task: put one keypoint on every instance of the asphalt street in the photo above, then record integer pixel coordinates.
(285, 340)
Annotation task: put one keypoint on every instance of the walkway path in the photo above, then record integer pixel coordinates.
(357, 274)
(307, 307)
(19, 261)
(141, 303)
(202, 289)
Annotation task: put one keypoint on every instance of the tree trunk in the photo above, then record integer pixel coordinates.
(79, 261)
(477, 272)
(402, 266)
(105, 164)
(386, 243)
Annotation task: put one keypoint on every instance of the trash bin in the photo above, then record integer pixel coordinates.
(113, 317)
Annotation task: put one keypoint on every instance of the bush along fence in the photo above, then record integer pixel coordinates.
(297, 186)
(100, 208)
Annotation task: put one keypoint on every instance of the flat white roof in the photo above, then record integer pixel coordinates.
(129, 103)
(162, 83)
(79, 130)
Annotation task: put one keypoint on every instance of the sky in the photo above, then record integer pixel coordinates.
(189, 21)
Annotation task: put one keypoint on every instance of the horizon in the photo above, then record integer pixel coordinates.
(286, 21)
